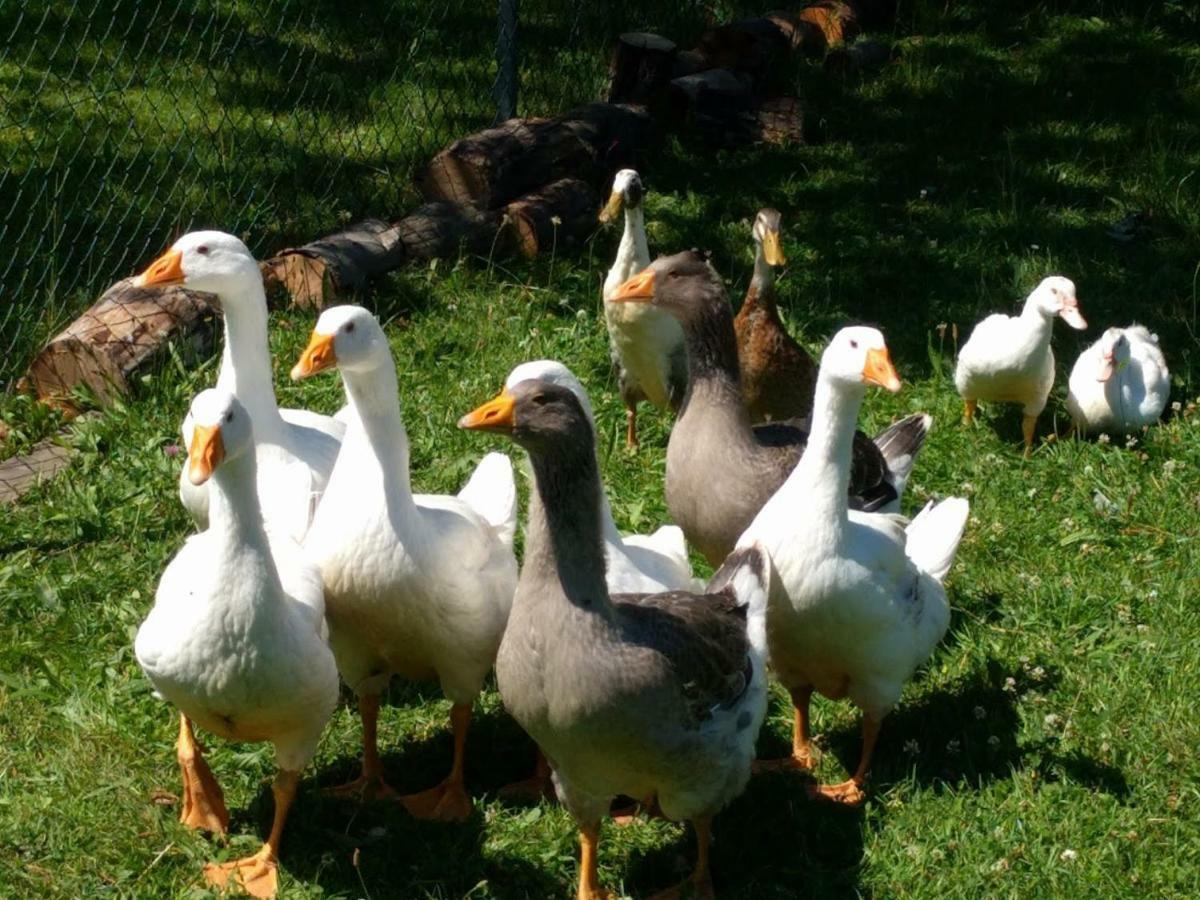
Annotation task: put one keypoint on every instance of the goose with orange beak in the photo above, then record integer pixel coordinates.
(236, 639)
(777, 374)
(1120, 383)
(857, 601)
(721, 468)
(296, 447)
(1008, 359)
(416, 585)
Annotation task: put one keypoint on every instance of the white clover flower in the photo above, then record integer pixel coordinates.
(980, 712)
(911, 747)
(1068, 855)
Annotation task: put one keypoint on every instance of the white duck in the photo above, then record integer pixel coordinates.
(296, 448)
(646, 343)
(637, 563)
(236, 638)
(857, 602)
(1007, 359)
(418, 585)
(1120, 383)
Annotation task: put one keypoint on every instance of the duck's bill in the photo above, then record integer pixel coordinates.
(317, 357)
(773, 249)
(167, 269)
(612, 208)
(205, 453)
(638, 289)
(1070, 315)
(495, 415)
(879, 370)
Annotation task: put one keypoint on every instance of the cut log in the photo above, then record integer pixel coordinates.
(642, 66)
(559, 215)
(122, 331)
(337, 265)
(447, 229)
(495, 166)
(19, 474)
(619, 135)
(713, 94)
(835, 21)
(757, 47)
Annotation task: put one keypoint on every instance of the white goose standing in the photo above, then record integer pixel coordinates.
(1007, 359)
(857, 602)
(417, 585)
(1120, 383)
(646, 343)
(295, 448)
(236, 637)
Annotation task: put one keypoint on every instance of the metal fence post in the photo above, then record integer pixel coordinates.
(505, 90)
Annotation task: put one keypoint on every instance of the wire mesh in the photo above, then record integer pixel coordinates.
(128, 122)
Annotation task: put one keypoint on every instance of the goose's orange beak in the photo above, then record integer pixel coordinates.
(879, 370)
(167, 269)
(495, 415)
(317, 357)
(205, 454)
(638, 289)
(773, 249)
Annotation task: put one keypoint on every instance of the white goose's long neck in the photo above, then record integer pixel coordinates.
(376, 429)
(633, 253)
(822, 477)
(1039, 323)
(246, 360)
(234, 513)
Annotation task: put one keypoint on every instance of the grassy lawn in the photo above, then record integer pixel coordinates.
(1050, 746)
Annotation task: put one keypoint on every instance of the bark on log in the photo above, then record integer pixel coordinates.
(447, 229)
(828, 23)
(642, 66)
(619, 135)
(338, 264)
(122, 331)
(20, 474)
(493, 167)
(711, 95)
(559, 215)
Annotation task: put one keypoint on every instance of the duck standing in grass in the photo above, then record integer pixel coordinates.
(777, 374)
(296, 448)
(1120, 383)
(1007, 359)
(721, 469)
(418, 585)
(236, 638)
(646, 344)
(637, 694)
(857, 602)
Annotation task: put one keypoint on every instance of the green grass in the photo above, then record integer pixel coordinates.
(1058, 714)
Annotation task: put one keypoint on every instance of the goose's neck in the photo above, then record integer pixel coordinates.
(763, 281)
(823, 473)
(246, 359)
(1037, 321)
(633, 253)
(713, 372)
(563, 540)
(376, 429)
(234, 513)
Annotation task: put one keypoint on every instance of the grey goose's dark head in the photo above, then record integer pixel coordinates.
(684, 285)
(538, 415)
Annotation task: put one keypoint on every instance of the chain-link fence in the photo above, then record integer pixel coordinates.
(124, 123)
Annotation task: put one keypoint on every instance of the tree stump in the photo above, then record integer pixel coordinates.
(122, 331)
(713, 94)
(642, 66)
(338, 264)
(559, 215)
(446, 229)
(493, 167)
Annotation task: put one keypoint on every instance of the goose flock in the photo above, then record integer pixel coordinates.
(315, 564)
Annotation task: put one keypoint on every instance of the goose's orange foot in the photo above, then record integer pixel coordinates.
(448, 802)
(257, 875)
(692, 889)
(529, 791)
(203, 801)
(365, 788)
(597, 893)
(627, 815)
(848, 793)
(797, 762)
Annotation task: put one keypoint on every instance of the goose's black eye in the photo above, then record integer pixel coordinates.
(349, 327)
(202, 250)
(229, 416)
(540, 399)
(1054, 291)
(853, 344)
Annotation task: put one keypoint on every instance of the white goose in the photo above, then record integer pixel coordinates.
(646, 343)
(1120, 383)
(236, 638)
(296, 448)
(418, 585)
(637, 563)
(857, 602)
(1007, 359)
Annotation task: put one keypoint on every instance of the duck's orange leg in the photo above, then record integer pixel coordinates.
(804, 756)
(699, 885)
(370, 785)
(851, 792)
(203, 800)
(448, 801)
(258, 875)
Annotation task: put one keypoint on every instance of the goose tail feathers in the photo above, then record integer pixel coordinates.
(934, 534)
(746, 574)
(900, 443)
(492, 492)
